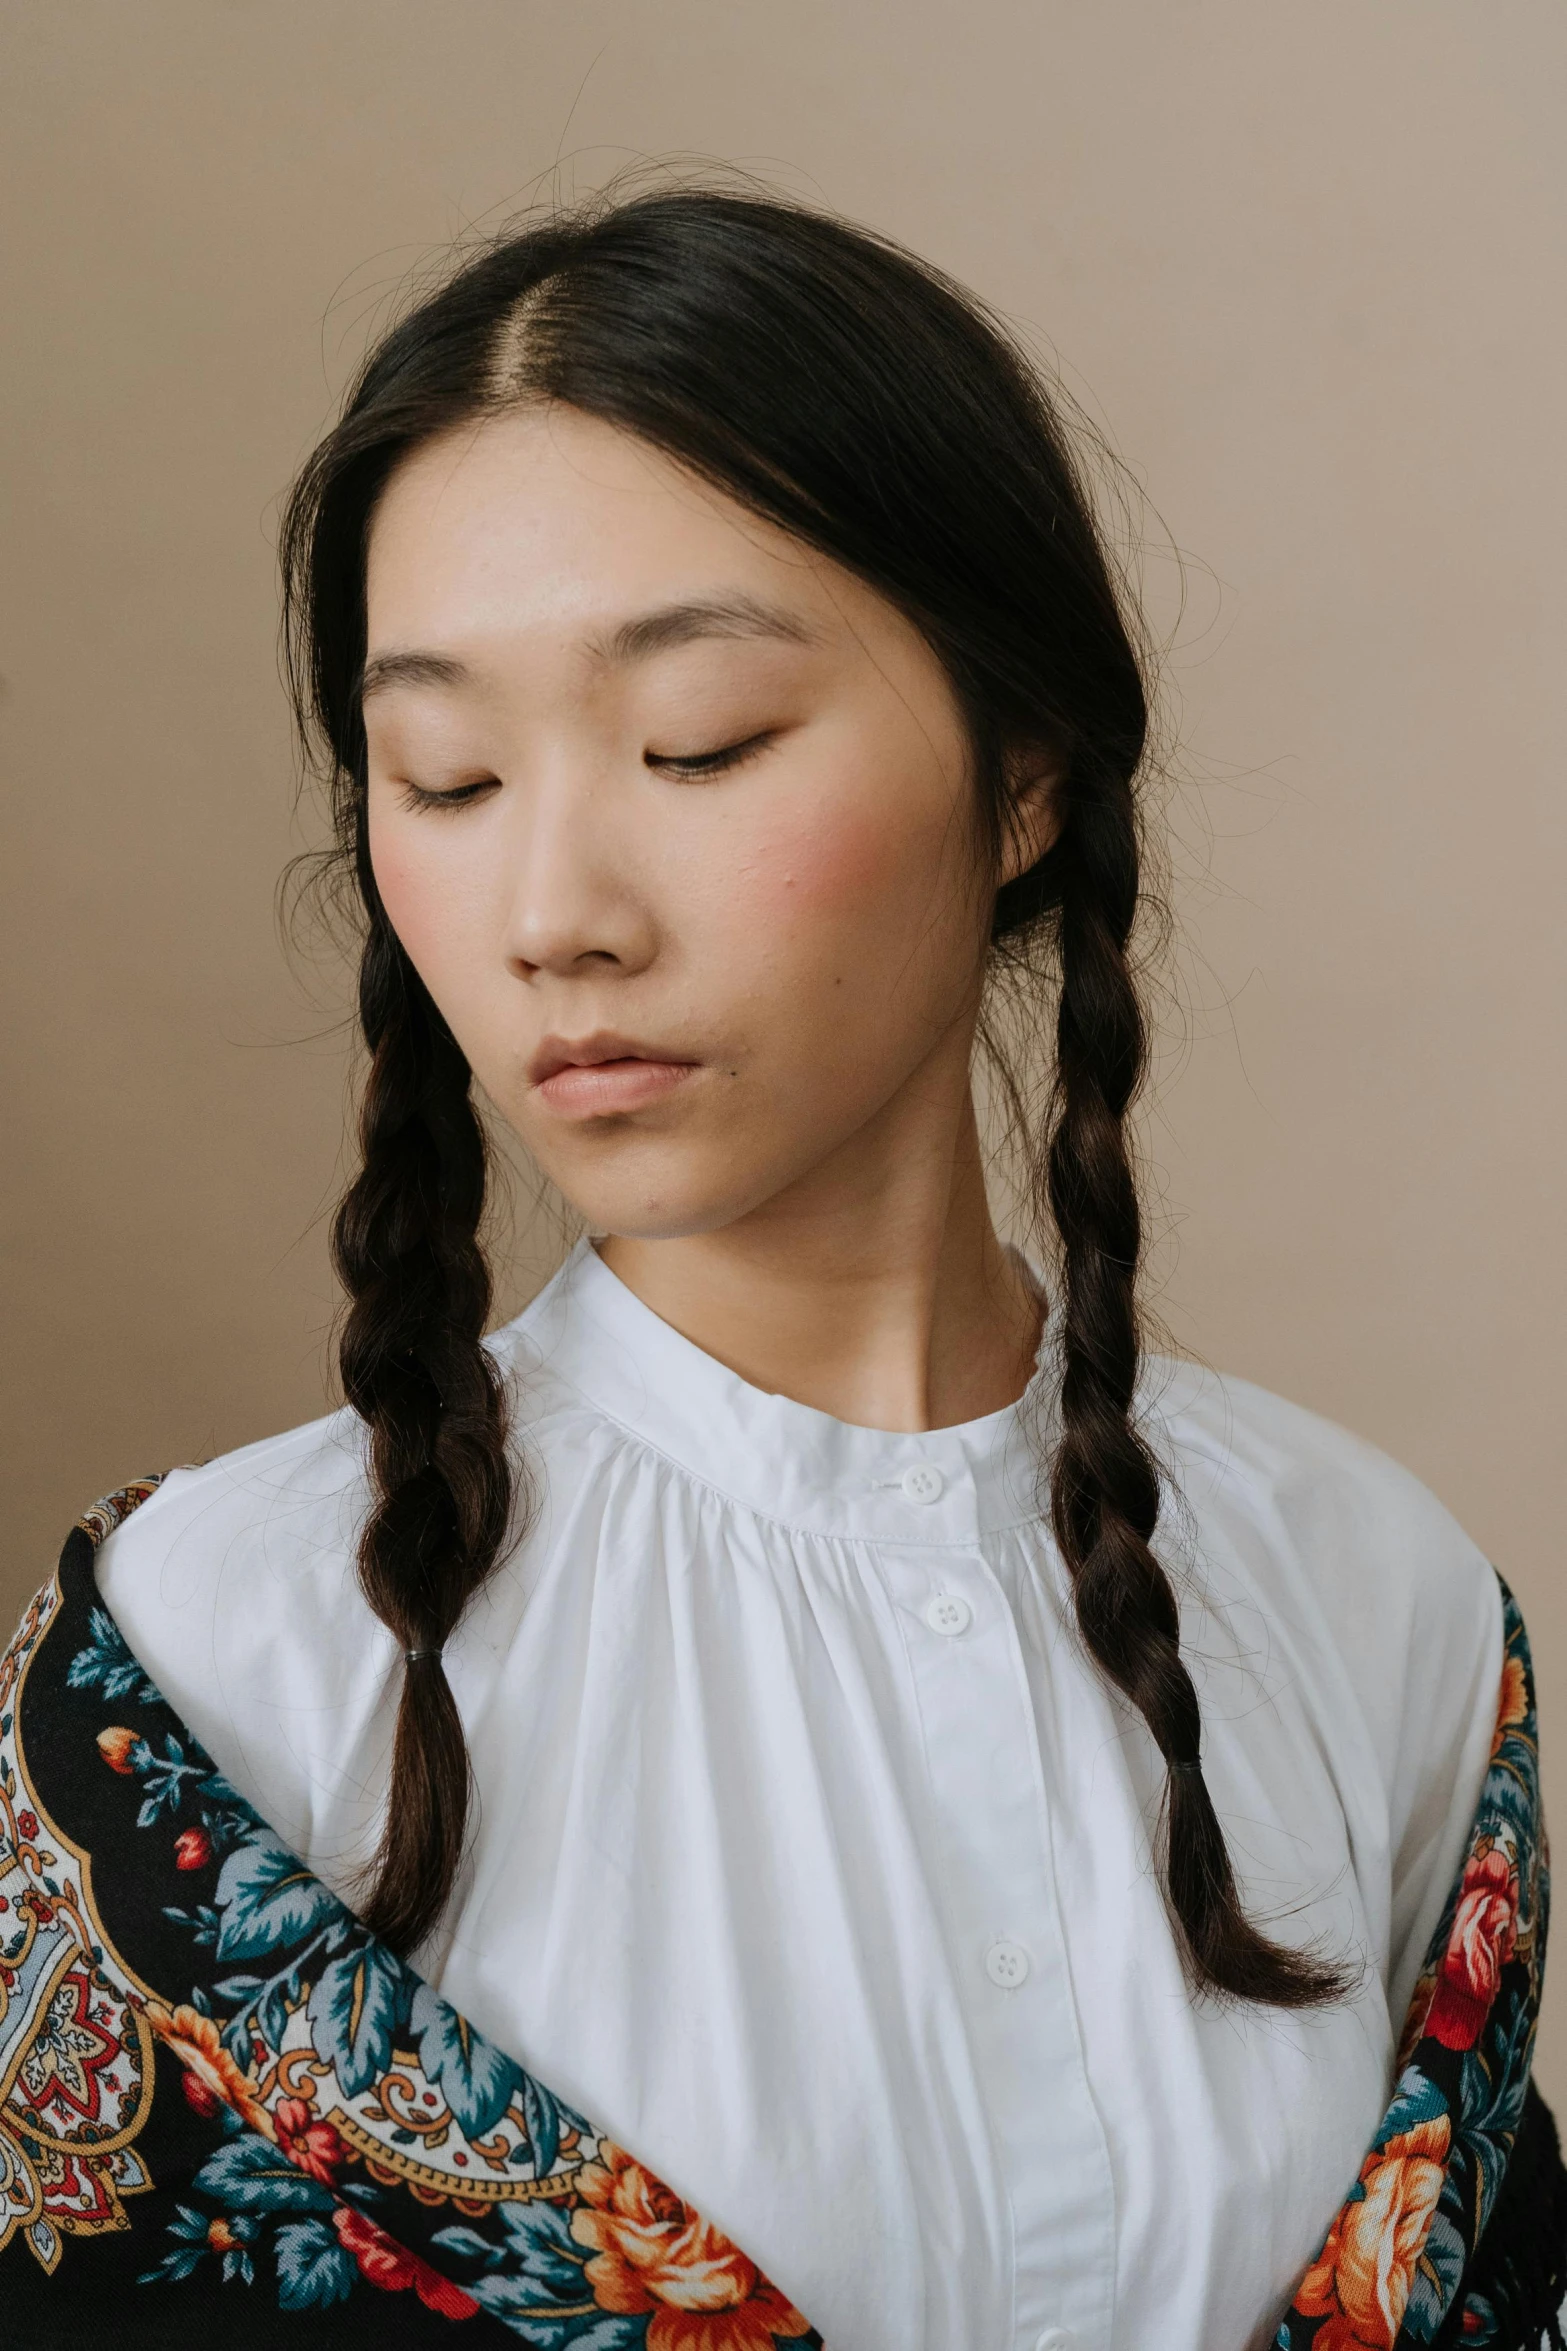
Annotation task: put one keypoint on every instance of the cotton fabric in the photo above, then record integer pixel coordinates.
(811, 1855)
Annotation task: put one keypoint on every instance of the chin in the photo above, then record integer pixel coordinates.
(665, 1205)
(675, 1202)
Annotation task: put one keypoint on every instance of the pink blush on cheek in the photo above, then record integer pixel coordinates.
(843, 889)
(417, 896)
(850, 862)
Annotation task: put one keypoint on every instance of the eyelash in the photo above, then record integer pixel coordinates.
(415, 796)
(709, 763)
(694, 769)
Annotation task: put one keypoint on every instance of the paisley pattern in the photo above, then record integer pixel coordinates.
(190, 2018)
(75, 2051)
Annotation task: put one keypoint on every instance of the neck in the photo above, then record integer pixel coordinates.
(875, 1289)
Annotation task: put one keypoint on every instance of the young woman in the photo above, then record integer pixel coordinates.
(802, 1791)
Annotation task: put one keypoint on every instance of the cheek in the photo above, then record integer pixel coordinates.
(845, 887)
(397, 878)
(429, 899)
(813, 873)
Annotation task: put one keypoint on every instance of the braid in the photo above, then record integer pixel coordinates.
(1104, 1483)
(405, 1243)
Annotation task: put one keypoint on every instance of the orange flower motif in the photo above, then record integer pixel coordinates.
(115, 1746)
(197, 2044)
(1361, 2282)
(1483, 1938)
(652, 2253)
(1514, 1702)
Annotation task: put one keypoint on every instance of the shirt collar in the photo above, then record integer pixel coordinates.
(779, 1458)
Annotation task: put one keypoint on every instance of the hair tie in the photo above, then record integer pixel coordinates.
(412, 1656)
(1190, 1764)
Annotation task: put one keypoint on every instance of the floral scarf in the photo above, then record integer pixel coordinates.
(224, 2104)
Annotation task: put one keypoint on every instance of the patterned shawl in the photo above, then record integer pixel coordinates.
(225, 2106)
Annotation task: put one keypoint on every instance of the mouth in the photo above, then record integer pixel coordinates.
(602, 1075)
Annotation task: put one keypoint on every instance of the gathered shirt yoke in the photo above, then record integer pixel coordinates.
(814, 1859)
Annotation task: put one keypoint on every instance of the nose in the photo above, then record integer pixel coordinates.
(575, 902)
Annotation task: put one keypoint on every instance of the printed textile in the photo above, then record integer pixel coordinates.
(224, 2103)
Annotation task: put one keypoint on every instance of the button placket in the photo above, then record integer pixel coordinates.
(998, 1890)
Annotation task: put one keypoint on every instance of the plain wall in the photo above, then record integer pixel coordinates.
(1304, 264)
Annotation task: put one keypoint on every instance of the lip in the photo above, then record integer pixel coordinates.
(598, 1076)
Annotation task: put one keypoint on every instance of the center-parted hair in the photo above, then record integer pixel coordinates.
(851, 394)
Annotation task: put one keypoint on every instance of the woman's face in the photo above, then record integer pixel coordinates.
(673, 816)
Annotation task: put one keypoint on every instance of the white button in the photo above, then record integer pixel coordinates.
(1056, 2339)
(949, 1613)
(924, 1482)
(1006, 1964)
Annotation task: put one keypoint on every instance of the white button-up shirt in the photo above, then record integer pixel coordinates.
(811, 1856)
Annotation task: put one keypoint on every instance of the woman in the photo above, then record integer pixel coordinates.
(802, 1790)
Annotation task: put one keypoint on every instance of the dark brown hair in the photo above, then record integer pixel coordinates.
(843, 389)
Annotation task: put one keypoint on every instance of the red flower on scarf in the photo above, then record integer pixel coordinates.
(1483, 1938)
(391, 2266)
(198, 2097)
(314, 2146)
(192, 1849)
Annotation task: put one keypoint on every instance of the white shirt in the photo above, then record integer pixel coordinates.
(811, 1858)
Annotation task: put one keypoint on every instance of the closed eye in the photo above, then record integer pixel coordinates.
(697, 764)
(416, 795)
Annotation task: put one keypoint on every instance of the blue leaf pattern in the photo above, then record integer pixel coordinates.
(313, 2270)
(357, 2004)
(542, 2116)
(476, 2079)
(266, 1899)
(537, 2284)
(249, 2175)
(106, 1664)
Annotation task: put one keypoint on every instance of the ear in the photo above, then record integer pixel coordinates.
(1035, 774)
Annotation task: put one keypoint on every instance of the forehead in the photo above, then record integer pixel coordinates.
(546, 519)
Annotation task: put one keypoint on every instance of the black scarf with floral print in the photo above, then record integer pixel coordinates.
(225, 2106)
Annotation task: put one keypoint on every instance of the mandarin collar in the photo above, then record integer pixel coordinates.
(779, 1458)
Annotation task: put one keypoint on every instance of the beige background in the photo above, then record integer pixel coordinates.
(1305, 262)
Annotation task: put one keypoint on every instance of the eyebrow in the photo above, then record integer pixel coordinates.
(707, 616)
(412, 669)
(634, 640)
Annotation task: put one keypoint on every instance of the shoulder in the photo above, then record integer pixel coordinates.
(275, 1501)
(259, 1545)
(239, 1575)
(277, 1523)
(235, 1587)
(1256, 1456)
(1339, 1544)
